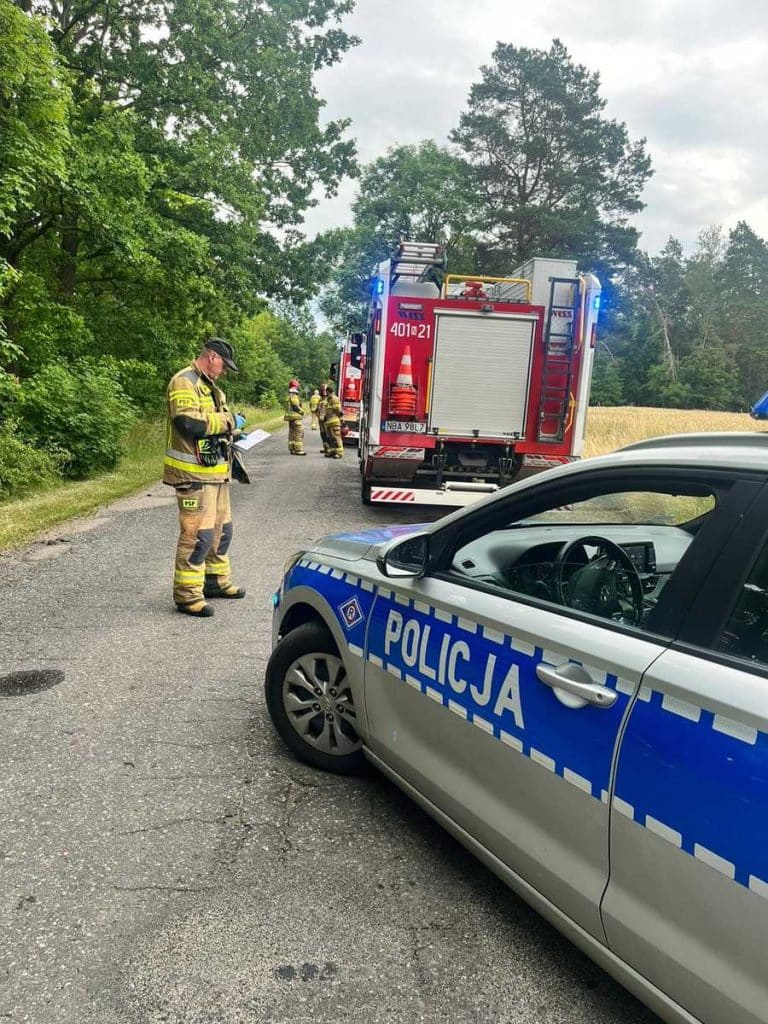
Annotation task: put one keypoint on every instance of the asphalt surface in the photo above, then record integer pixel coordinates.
(163, 858)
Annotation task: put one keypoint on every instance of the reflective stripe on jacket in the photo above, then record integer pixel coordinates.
(194, 396)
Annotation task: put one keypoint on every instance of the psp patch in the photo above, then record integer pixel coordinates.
(351, 612)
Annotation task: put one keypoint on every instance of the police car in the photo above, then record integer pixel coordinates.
(572, 677)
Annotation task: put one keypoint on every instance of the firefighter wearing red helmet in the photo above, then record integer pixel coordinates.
(294, 417)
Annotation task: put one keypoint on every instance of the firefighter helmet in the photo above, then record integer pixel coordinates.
(293, 384)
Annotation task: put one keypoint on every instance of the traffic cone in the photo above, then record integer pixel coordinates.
(405, 376)
(402, 397)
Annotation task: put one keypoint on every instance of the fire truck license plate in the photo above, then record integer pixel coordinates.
(394, 426)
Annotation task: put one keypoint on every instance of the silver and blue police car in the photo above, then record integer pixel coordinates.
(572, 677)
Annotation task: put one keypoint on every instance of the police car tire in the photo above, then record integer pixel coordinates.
(309, 638)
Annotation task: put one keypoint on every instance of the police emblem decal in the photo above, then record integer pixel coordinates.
(351, 612)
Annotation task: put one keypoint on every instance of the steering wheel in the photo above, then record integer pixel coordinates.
(599, 587)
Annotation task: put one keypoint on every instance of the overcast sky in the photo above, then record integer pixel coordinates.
(691, 76)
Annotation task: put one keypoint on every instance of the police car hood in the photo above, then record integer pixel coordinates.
(351, 546)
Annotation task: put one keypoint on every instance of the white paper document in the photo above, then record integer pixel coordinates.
(255, 437)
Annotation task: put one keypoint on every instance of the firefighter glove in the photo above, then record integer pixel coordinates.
(208, 451)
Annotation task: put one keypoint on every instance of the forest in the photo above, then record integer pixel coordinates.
(158, 159)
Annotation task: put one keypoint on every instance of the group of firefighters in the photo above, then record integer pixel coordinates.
(326, 416)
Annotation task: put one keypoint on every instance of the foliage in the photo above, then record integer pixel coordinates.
(272, 349)
(607, 387)
(80, 415)
(156, 165)
(139, 381)
(23, 467)
(692, 334)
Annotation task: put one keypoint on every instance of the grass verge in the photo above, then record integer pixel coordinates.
(141, 465)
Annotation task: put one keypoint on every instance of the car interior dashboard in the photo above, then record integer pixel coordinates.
(578, 565)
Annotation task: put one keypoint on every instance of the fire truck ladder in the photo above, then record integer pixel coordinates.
(559, 357)
(417, 261)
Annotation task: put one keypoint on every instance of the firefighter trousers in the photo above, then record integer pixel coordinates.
(295, 436)
(205, 533)
(323, 436)
(333, 436)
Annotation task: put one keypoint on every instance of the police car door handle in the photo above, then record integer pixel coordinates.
(576, 686)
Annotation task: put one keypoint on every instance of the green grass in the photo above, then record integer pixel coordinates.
(23, 518)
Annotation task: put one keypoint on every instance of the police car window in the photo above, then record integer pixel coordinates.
(610, 555)
(653, 507)
(746, 633)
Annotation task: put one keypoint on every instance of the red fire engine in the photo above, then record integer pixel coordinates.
(474, 383)
(348, 374)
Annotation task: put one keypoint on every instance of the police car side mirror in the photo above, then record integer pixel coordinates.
(408, 557)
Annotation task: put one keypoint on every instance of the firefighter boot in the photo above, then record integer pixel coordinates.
(200, 609)
(212, 589)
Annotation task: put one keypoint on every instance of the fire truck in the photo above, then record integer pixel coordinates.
(471, 382)
(348, 375)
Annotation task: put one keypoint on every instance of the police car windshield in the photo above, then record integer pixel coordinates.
(648, 508)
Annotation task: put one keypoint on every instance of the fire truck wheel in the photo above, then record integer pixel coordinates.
(365, 490)
(310, 701)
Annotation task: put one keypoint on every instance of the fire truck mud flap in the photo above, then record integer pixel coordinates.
(447, 497)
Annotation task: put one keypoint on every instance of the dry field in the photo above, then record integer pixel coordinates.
(610, 428)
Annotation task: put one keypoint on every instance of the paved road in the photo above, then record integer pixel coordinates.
(162, 859)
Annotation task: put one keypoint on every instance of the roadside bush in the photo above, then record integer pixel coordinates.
(22, 466)
(9, 394)
(139, 380)
(81, 411)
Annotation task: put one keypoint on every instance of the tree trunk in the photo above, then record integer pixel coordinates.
(68, 268)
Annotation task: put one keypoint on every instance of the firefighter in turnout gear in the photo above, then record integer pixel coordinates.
(332, 421)
(321, 406)
(198, 465)
(294, 417)
(314, 401)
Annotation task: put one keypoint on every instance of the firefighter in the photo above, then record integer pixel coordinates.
(294, 417)
(198, 466)
(314, 401)
(333, 416)
(321, 409)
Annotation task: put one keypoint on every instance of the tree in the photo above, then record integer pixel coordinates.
(34, 108)
(415, 193)
(744, 297)
(274, 346)
(607, 385)
(195, 149)
(554, 176)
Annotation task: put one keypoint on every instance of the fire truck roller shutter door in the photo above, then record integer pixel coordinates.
(485, 360)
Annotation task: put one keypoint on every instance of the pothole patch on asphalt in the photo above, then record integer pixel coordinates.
(19, 684)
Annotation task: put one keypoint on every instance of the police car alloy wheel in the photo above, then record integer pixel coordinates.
(310, 701)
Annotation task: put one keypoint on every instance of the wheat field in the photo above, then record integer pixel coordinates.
(611, 428)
